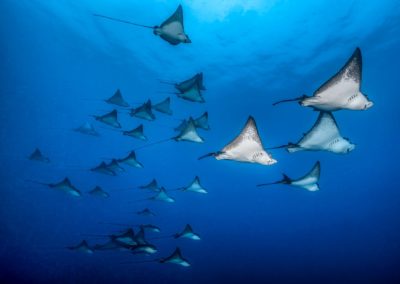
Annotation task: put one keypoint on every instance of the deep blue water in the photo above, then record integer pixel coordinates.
(59, 62)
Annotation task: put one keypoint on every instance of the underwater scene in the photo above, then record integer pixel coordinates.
(200, 141)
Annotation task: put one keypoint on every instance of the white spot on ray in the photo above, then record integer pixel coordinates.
(172, 30)
(117, 99)
(246, 147)
(323, 136)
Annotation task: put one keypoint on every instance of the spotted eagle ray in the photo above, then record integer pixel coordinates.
(114, 166)
(323, 136)
(341, 91)
(162, 196)
(171, 30)
(246, 147)
(187, 233)
(192, 94)
(163, 106)
(176, 258)
(117, 99)
(146, 212)
(308, 181)
(64, 185)
(136, 133)
(118, 241)
(38, 156)
(144, 111)
(200, 122)
(153, 185)
(83, 246)
(98, 191)
(103, 168)
(88, 129)
(110, 119)
(131, 160)
(188, 134)
(195, 186)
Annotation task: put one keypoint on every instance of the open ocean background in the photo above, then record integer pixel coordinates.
(58, 62)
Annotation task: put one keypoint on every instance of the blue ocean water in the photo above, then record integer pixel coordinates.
(59, 63)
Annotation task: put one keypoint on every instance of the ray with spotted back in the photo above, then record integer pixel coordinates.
(37, 155)
(164, 106)
(309, 181)
(187, 233)
(195, 186)
(117, 99)
(131, 160)
(171, 30)
(99, 192)
(323, 136)
(110, 119)
(246, 147)
(144, 111)
(87, 129)
(83, 247)
(341, 91)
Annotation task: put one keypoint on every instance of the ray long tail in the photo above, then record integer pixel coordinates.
(290, 100)
(122, 21)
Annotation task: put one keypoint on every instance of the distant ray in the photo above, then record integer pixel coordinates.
(341, 91)
(144, 248)
(146, 212)
(64, 185)
(98, 191)
(103, 168)
(163, 106)
(38, 156)
(153, 185)
(136, 133)
(117, 99)
(114, 166)
(144, 111)
(308, 181)
(83, 246)
(162, 196)
(246, 147)
(187, 233)
(323, 136)
(131, 160)
(202, 121)
(176, 258)
(195, 186)
(189, 133)
(88, 129)
(150, 227)
(110, 119)
(125, 238)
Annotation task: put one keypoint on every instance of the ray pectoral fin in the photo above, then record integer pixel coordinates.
(290, 100)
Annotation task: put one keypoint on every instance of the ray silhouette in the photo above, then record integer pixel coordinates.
(99, 192)
(110, 119)
(187, 233)
(175, 258)
(103, 168)
(323, 136)
(130, 160)
(195, 186)
(152, 185)
(162, 196)
(88, 129)
(117, 99)
(341, 91)
(136, 133)
(171, 30)
(163, 106)
(144, 111)
(83, 247)
(308, 181)
(38, 156)
(65, 185)
(246, 147)
(146, 212)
